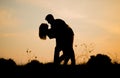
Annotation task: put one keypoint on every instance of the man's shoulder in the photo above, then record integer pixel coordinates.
(59, 20)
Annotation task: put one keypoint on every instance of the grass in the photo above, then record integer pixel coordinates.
(97, 66)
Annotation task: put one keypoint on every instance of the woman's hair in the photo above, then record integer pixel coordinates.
(43, 31)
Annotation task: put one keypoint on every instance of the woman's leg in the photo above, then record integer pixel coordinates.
(56, 55)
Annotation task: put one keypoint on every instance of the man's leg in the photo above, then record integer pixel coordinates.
(72, 56)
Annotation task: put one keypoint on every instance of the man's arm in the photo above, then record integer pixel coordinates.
(51, 33)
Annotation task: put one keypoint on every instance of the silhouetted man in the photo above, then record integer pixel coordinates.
(64, 39)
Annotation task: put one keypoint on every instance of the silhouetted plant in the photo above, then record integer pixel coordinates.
(99, 59)
(33, 63)
(7, 62)
(30, 55)
(86, 51)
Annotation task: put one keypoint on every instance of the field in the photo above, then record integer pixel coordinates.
(97, 66)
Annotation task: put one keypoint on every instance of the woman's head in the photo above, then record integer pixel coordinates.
(43, 31)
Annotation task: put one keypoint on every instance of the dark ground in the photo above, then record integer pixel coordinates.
(99, 66)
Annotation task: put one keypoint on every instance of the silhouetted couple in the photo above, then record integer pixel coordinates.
(64, 36)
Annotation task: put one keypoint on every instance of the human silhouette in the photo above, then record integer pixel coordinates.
(62, 45)
(64, 39)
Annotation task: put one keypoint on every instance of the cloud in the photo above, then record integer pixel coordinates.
(8, 19)
(7, 35)
(9, 23)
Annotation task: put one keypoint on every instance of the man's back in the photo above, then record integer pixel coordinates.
(60, 24)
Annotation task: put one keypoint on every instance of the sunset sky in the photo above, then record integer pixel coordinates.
(96, 24)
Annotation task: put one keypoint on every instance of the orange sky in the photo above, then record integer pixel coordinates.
(96, 24)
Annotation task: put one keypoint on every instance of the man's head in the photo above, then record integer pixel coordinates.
(49, 18)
